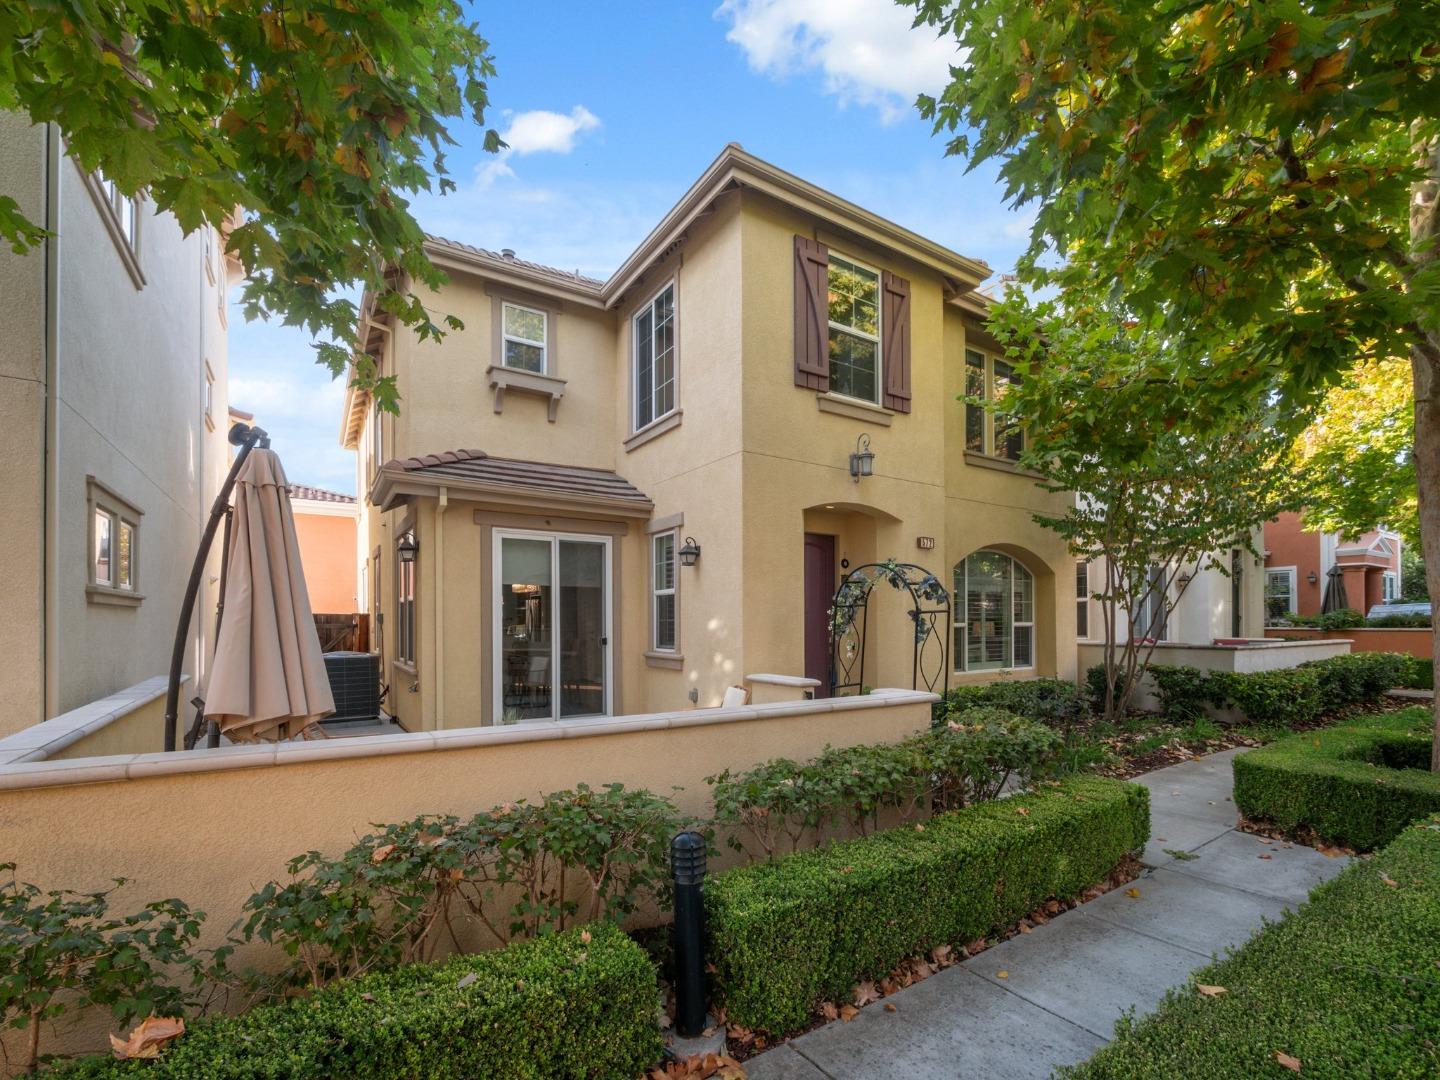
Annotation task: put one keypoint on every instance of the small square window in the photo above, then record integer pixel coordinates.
(113, 571)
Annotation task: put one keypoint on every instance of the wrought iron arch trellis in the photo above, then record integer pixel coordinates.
(929, 611)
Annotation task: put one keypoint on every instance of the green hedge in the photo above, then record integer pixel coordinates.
(1347, 986)
(791, 933)
(556, 1006)
(1357, 785)
(1057, 702)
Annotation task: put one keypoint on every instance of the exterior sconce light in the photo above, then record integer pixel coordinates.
(1311, 578)
(408, 548)
(690, 553)
(862, 461)
(1185, 579)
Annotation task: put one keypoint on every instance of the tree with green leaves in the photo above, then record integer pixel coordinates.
(1155, 504)
(317, 120)
(1357, 458)
(1261, 181)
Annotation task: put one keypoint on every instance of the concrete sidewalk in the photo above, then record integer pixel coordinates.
(1065, 983)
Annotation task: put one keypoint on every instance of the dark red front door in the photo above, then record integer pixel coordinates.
(819, 592)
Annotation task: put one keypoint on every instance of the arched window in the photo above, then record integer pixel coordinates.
(994, 613)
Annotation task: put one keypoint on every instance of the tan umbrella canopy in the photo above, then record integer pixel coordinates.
(268, 678)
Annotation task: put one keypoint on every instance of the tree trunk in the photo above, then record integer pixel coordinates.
(1425, 364)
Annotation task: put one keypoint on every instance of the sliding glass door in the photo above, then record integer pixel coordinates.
(552, 626)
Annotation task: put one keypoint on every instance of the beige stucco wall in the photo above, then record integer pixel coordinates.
(126, 397)
(324, 796)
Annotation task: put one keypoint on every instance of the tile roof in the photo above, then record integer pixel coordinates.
(318, 494)
(478, 467)
(568, 277)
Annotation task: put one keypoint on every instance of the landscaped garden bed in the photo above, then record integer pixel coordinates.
(794, 933)
(1346, 987)
(1359, 785)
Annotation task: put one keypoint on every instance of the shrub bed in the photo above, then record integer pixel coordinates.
(1056, 702)
(1346, 987)
(579, 1004)
(802, 929)
(1358, 785)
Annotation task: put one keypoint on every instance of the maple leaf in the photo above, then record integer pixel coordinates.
(1210, 991)
(865, 993)
(1285, 1061)
(830, 1011)
(150, 1036)
(381, 853)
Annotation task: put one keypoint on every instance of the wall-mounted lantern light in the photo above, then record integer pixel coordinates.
(862, 461)
(408, 548)
(690, 553)
(1311, 577)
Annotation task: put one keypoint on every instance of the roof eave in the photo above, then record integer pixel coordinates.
(450, 256)
(395, 484)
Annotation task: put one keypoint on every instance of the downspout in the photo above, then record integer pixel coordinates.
(440, 608)
(50, 500)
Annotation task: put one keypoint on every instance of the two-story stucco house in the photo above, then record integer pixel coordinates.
(621, 496)
(112, 431)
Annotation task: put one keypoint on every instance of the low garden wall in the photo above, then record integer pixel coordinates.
(129, 721)
(1411, 641)
(212, 826)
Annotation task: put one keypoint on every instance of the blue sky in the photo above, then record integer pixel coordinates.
(612, 110)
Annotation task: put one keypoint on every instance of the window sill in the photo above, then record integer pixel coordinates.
(525, 382)
(672, 660)
(106, 594)
(985, 461)
(839, 405)
(654, 430)
(408, 669)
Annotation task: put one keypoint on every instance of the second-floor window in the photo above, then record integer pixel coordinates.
(523, 337)
(993, 434)
(124, 207)
(854, 330)
(654, 330)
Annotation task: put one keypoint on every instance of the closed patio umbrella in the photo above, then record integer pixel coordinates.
(268, 678)
(1335, 598)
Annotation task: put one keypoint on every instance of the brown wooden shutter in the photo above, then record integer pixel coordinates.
(812, 314)
(895, 326)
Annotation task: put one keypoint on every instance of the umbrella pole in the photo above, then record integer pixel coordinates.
(246, 438)
(212, 732)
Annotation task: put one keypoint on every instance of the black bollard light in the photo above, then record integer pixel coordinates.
(687, 869)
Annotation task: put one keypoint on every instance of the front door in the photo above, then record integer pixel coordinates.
(819, 594)
(552, 626)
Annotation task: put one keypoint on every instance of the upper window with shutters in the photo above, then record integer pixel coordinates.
(852, 328)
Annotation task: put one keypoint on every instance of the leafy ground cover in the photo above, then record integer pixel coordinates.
(1349, 986)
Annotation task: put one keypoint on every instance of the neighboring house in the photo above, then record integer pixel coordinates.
(112, 431)
(1298, 562)
(531, 516)
(1214, 604)
(325, 526)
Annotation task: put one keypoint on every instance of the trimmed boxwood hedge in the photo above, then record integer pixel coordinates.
(805, 928)
(556, 1006)
(1347, 986)
(1359, 785)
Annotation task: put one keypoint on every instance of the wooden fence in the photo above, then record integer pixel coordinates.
(343, 633)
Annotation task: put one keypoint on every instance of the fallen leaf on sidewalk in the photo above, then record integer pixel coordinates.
(1264, 856)
(1210, 991)
(1002, 974)
(848, 1013)
(889, 1006)
(1285, 1061)
(1133, 893)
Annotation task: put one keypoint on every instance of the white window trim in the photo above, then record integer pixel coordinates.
(878, 338)
(1290, 572)
(988, 444)
(1390, 586)
(207, 400)
(101, 499)
(1083, 601)
(542, 344)
(656, 592)
(958, 613)
(107, 198)
(636, 427)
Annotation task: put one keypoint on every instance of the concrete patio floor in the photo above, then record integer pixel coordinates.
(1052, 996)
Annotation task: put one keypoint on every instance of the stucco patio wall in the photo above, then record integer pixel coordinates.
(1411, 641)
(212, 826)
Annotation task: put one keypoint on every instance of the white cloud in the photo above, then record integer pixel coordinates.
(867, 49)
(537, 131)
(540, 131)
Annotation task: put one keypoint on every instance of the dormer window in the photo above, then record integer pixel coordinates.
(523, 337)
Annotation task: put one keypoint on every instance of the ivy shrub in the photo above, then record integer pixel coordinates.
(581, 1004)
(1358, 785)
(1344, 619)
(396, 895)
(1056, 702)
(1346, 986)
(781, 804)
(793, 932)
(62, 950)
